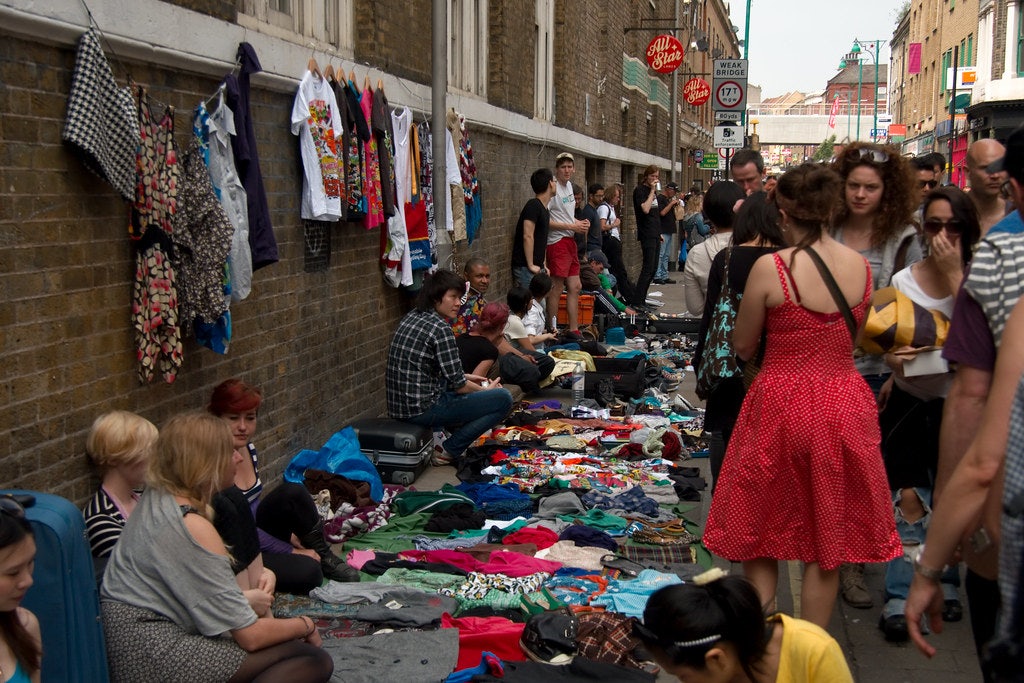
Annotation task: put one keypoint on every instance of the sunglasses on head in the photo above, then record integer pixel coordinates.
(930, 184)
(11, 507)
(933, 226)
(878, 156)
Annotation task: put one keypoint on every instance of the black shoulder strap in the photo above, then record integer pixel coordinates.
(833, 288)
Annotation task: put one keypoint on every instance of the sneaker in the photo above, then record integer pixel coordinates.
(894, 628)
(852, 587)
(442, 459)
(668, 281)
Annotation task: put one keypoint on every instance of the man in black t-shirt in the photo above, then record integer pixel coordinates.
(648, 230)
(529, 246)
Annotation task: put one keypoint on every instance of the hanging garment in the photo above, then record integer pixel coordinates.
(424, 147)
(155, 296)
(470, 183)
(215, 132)
(315, 121)
(397, 263)
(358, 133)
(202, 239)
(101, 121)
(262, 242)
(383, 130)
(371, 185)
(457, 199)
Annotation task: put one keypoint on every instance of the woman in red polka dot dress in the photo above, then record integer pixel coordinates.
(803, 477)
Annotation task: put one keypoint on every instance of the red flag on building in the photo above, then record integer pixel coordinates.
(914, 58)
(833, 112)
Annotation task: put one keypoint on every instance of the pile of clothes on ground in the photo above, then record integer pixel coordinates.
(544, 554)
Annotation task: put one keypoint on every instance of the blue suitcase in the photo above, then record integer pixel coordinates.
(64, 596)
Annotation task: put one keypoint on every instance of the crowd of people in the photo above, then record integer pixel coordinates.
(838, 436)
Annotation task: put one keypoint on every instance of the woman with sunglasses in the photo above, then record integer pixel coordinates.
(171, 606)
(715, 630)
(20, 640)
(912, 406)
(876, 219)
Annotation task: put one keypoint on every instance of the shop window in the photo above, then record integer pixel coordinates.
(544, 64)
(467, 45)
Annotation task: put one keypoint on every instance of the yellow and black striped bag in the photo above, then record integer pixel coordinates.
(894, 321)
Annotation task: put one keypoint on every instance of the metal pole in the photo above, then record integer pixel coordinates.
(673, 114)
(952, 110)
(860, 85)
(746, 52)
(438, 91)
(874, 122)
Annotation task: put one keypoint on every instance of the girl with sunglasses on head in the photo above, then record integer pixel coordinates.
(20, 640)
(714, 630)
(802, 477)
(876, 219)
(911, 407)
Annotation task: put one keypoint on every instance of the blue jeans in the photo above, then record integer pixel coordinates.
(521, 277)
(900, 572)
(662, 272)
(470, 414)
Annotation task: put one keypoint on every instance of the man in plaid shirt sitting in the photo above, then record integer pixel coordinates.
(424, 380)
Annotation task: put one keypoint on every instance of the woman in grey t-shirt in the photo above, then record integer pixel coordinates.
(170, 601)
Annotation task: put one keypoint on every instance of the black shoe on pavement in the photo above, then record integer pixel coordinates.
(952, 610)
(668, 281)
(894, 628)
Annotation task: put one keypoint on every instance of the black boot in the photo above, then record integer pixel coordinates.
(332, 565)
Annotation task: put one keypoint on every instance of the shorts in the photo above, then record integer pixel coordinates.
(562, 258)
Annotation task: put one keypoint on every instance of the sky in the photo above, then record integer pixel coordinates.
(797, 44)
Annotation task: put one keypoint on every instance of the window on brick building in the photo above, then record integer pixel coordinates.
(467, 45)
(329, 22)
(544, 61)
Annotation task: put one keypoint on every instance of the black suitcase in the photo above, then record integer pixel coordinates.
(399, 450)
(64, 596)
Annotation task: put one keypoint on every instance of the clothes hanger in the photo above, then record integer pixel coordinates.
(366, 82)
(329, 72)
(219, 92)
(314, 68)
(380, 84)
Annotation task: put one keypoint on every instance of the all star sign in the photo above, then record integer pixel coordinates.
(664, 54)
(696, 91)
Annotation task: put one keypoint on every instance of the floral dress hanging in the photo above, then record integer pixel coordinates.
(155, 297)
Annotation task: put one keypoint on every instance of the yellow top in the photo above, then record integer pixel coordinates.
(809, 654)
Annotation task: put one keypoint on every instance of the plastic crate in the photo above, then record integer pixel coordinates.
(585, 310)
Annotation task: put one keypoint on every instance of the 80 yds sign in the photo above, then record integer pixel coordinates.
(728, 95)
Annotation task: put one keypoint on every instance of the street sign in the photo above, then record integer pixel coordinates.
(698, 155)
(729, 88)
(723, 153)
(664, 53)
(722, 116)
(709, 163)
(728, 136)
(696, 91)
(879, 132)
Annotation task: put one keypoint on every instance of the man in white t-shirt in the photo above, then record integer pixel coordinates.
(562, 258)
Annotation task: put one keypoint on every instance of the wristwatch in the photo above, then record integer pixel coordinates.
(927, 572)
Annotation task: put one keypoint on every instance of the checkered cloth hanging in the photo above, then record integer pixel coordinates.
(102, 122)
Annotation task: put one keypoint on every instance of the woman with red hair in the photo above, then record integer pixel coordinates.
(291, 533)
(478, 351)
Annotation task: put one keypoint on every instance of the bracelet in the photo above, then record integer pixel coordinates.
(312, 626)
(927, 572)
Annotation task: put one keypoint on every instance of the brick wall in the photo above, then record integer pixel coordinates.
(315, 342)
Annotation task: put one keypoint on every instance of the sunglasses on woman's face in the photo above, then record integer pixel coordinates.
(878, 156)
(933, 226)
